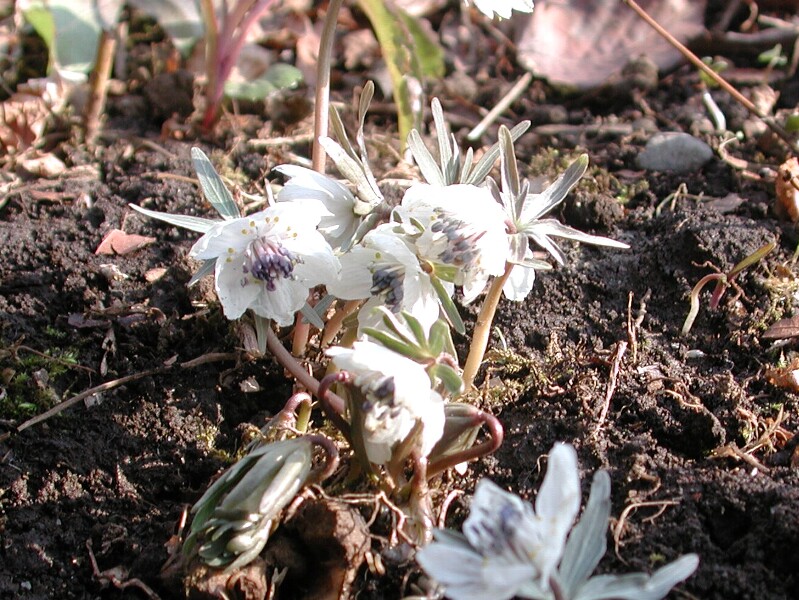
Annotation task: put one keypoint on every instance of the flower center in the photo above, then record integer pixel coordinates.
(388, 280)
(267, 260)
(459, 241)
(378, 398)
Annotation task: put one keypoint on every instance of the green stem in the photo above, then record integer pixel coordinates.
(482, 328)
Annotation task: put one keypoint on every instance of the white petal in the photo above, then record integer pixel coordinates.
(225, 238)
(467, 575)
(519, 283)
(235, 295)
(355, 279)
(282, 303)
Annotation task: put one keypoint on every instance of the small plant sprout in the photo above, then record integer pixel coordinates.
(224, 41)
(508, 548)
(723, 281)
(235, 517)
(502, 8)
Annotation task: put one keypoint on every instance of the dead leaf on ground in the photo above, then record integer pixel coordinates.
(117, 241)
(783, 329)
(582, 43)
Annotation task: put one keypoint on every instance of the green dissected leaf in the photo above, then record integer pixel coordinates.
(213, 187)
(408, 52)
(449, 377)
(277, 77)
(395, 344)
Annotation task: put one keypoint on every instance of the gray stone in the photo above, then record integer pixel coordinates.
(674, 151)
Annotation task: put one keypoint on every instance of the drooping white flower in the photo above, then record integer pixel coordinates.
(396, 393)
(502, 8)
(268, 261)
(508, 543)
(339, 222)
(524, 213)
(384, 269)
(464, 235)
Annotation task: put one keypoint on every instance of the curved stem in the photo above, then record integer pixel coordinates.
(322, 104)
(496, 436)
(301, 401)
(331, 453)
(694, 310)
(333, 405)
(482, 328)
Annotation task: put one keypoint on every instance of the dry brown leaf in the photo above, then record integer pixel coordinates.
(583, 43)
(117, 241)
(782, 329)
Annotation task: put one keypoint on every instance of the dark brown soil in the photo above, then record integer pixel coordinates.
(112, 476)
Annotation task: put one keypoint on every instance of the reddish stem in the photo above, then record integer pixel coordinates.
(496, 436)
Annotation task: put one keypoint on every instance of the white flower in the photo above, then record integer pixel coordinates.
(464, 232)
(384, 269)
(268, 261)
(396, 393)
(509, 545)
(524, 214)
(508, 549)
(339, 221)
(502, 8)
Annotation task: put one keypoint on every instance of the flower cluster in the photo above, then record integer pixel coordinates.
(387, 270)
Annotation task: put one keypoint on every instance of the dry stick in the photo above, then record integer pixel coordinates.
(482, 328)
(501, 106)
(618, 355)
(98, 90)
(720, 81)
(110, 385)
(322, 102)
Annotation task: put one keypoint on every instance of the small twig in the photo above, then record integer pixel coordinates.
(117, 577)
(95, 107)
(110, 385)
(615, 368)
(501, 106)
(718, 79)
(617, 530)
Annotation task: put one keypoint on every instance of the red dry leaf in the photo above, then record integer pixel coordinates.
(582, 43)
(117, 241)
(782, 329)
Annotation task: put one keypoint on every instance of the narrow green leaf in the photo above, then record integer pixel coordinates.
(208, 267)
(483, 167)
(416, 328)
(440, 340)
(448, 376)
(198, 224)
(312, 316)
(450, 310)
(427, 164)
(213, 187)
(395, 344)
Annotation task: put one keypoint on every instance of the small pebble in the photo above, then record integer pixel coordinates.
(674, 151)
